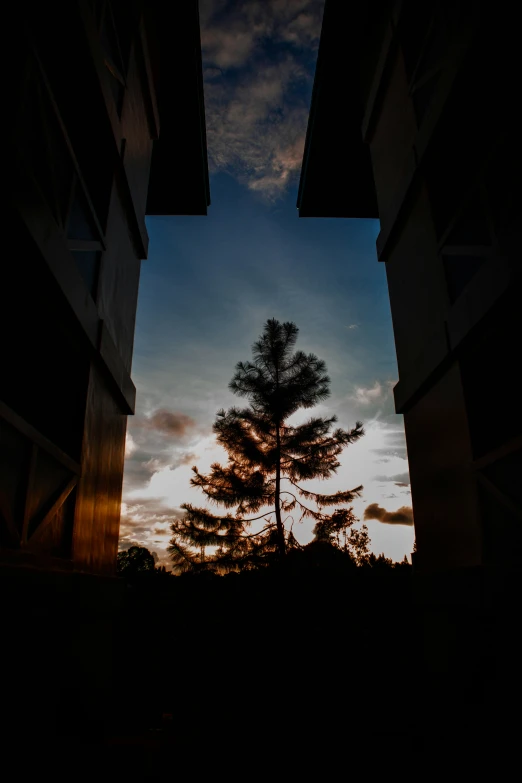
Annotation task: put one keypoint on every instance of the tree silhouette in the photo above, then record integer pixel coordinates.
(338, 530)
(134, 560)
(268, 458)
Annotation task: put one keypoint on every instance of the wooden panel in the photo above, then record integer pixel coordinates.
(14, 459)
(135, 217)
(122, 383)
(443, 483)
(118, 282)
(42, 228)
(34, 487)
(336, 177)
(53, 534)
(9, 535)
(69, 395)
(137, 133)
(179, 175)
(31, 434)
(151, 99)
(501, 497)
(97, 517)
(417, 288)
(490, 375)
(392, 142)
(502, 527)
(29, 491)
(49, 480)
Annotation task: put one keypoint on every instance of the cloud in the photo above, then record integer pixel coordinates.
(394, 446)
(146, 522)
(233, 33)
(403, 515)
(352, 326)
(366, 395)
(170, 422)
(164, 439)
(130, 445)
(211, 72)
(253, 132)
(144, 518)
(162, 530)
(400, 479)
(378, 394)
(258, 73)
(145, 462)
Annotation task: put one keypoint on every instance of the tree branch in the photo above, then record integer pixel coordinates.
(253, 535)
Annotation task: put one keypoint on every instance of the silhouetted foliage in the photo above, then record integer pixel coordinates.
(134, 560)
(338, 531)
(320, 555)
(383, 563)
(268, 459)
(162, 571)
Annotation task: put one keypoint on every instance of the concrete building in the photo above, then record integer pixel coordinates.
(105, 108)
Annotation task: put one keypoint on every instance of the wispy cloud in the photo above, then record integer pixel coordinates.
(378, 393)
(402, 516)
(366, 395)
(258, 74)
(400, 479)
(394, 446)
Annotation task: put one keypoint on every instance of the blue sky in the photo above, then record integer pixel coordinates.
(211, 282)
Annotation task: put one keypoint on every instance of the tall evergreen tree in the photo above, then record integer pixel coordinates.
(268, 458)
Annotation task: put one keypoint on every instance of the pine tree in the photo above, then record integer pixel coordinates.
(268, 458)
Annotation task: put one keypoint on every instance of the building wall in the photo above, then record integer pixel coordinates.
(437, 82)
(97, 513)
(392, 140)
(84, 121)
(118, 280)
(416, 285)
(444, 487)
(439, 124)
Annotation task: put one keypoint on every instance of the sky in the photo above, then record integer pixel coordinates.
(211, 282)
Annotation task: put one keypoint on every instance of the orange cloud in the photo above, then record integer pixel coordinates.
(403, 515)
(170, 422)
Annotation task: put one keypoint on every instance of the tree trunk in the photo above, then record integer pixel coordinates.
(279, 522)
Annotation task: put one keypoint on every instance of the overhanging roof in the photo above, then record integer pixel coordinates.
(336, 175)
(179, 183)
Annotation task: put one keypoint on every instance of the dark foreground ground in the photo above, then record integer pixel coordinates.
(317, 675)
